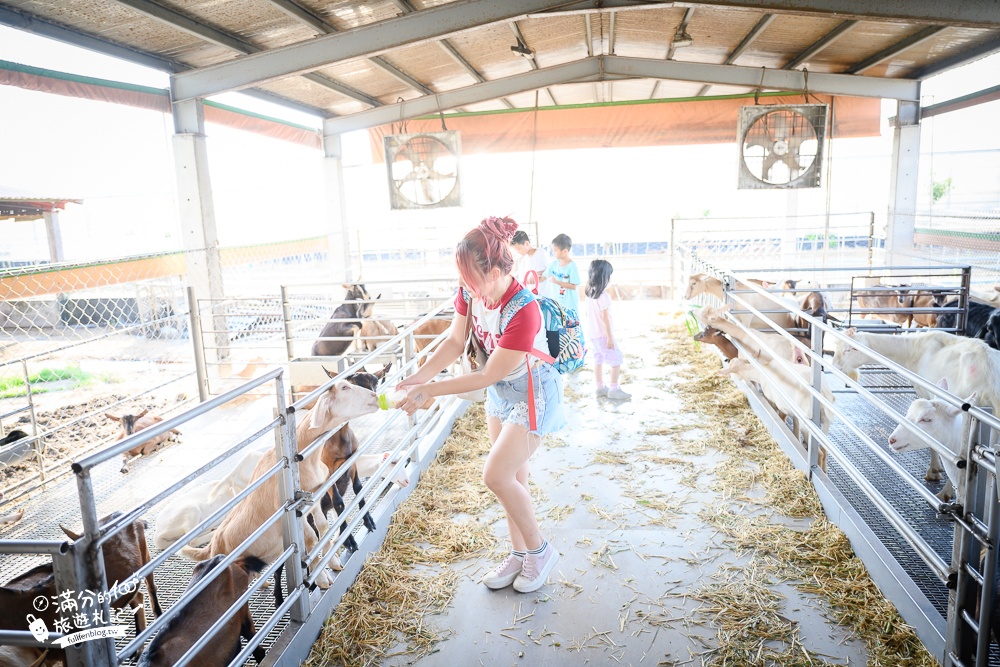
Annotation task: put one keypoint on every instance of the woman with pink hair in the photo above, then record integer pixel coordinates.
(523, 389)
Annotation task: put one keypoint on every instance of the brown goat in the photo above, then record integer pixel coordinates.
(200, 613)
(27, 656)
(124, 554)
(425, 334)
(345, 322)
(713, 336)
(135, 423)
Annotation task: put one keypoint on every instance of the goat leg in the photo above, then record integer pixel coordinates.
(356, 485)
(247, 631)
(935, 468)
(138, 611)
(338, 506)
(278, 595)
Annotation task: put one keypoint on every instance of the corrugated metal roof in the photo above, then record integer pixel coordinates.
(192, 34)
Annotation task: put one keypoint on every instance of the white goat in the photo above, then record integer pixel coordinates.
(340, 402)
(941, 421)
(968, 364)
(702, 283)
(186, 510)
(775, 382)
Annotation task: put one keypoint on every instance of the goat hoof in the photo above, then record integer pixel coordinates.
(369, 523)
(124, 470)
(335, 564)
(351, 544)
(323, 580)
(932, 476)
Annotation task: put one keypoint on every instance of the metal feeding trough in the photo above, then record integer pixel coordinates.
(17, 451)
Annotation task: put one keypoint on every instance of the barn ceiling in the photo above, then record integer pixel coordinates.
(361, 63)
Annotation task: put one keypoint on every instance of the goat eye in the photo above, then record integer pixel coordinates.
(925, 420)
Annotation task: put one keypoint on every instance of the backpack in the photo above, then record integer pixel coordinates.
(562, 330)
(566, 348)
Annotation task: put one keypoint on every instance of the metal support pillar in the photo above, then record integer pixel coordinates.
(903, 182)
(54, 235)
(339, 253)
(197, 217)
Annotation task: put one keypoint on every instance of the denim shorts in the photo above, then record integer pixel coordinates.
(508, 400)
(600, 353)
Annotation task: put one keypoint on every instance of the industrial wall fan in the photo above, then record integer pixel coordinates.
(781, 146)
(423, 169)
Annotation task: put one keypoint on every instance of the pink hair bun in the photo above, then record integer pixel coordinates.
(502, 228)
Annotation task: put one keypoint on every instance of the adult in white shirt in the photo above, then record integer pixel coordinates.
(530, 259)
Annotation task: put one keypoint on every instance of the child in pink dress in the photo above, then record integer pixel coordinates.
(600, 334)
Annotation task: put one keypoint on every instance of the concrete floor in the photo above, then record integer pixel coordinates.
(619, 592)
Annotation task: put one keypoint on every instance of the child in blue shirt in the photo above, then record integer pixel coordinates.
(562, 276)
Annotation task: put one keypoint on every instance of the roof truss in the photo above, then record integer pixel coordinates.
(612, 68)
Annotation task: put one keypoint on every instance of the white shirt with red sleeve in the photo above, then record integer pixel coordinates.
(524, 331)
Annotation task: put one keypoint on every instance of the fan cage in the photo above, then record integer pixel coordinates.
(423, 170)
(781, 146)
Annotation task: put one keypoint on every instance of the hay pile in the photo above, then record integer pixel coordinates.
(817, 560)
(409, 578)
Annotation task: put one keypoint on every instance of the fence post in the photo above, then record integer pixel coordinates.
(39, 442)
(816, 343)
(673, 251)
(286, 446)
(871, 239)
(88, 563)
(286, 315)
(198, 342)
(963, 317)
(989, 571)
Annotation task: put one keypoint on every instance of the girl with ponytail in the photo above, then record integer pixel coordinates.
(512, 376)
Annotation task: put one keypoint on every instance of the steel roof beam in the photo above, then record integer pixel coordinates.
(617, 68)
(963, 102)
(363, 42)
(768, 79)
(681, 29)
(820, 44)
(189, 25)
(37, 26)
(964, 58)
(744, 44)
(895, 49)
(220, 38)
(970, 13)
(519, 36)
(587, 69)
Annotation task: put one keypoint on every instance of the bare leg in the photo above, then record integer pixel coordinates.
(516, 540)
(614, 374)
(508, 455)
(599, 374)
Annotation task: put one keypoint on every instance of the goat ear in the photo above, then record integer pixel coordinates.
(329, 374)
(726, 308)
(385, 371)
(112, 417)
(943, 383)
(798, 356)
(971, 400)
(851, 332)
(69, 533)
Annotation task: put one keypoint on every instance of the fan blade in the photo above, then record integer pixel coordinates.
(769, 161)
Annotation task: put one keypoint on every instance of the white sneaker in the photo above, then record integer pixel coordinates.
(535, 570)
(505, 573)
(618, 395)
(602, 392)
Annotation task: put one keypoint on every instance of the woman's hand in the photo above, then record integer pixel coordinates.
(416, 396)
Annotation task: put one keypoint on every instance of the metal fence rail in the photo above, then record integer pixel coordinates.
(298, 620)
(934, 560)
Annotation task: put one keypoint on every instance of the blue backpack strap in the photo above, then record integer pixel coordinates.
(516, 303)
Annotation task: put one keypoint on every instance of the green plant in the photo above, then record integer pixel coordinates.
(941, 188)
